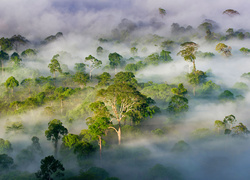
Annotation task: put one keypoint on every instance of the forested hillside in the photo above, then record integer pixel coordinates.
(107, 91)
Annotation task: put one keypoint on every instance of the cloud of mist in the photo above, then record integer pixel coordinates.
(39, 19)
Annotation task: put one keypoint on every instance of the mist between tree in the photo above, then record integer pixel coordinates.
(98, 92)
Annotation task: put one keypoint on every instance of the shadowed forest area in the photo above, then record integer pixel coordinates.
(107, 91)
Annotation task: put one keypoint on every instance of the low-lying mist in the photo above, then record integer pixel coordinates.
(180, 145)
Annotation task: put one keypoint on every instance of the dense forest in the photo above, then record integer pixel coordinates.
(151, 97)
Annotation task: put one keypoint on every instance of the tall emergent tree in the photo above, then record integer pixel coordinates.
(28, 83)
(122, 100)
(81, 78)
(115, 60)
(15, 58)
(3, 57)
(195, 78)
(11, 82)
(54, 132)
(224, 49)
(50, 166)
(187, 51)
(98, 128)
(94, 63)
(54, 65)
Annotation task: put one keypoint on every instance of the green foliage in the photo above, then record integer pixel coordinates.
(54, 65)
(207, 88)
(15, 59)
(15, 127)
(180, 147)
(241, 86)
(158, 91)
(204, 54)
(177, 105)
(205, 26)
(161, 172)
(81, 78)
(180, 91)
(29, 53)
(5, 146)
(70, 140)
(84, 149)
(104, 79)
(158, 132)
(99, 126)
(224, 49)
(55, 130)
(162, 12)
(6, 44)
(99, 50)
(220, 125)
(229, 120)
(188, 50)
(245, 51)
(18, 175)
(94, 63)
(226, 96)
(5, 162)
(169, 45)
(246, 76)
(50, 166)
(155, 58)
(125, 77)
(123, 100)
(11, 82)
(131, 67)
(133, 51)
(115, 60)
(80, 67)
(196, 77)
(202, 133)
(240, 131)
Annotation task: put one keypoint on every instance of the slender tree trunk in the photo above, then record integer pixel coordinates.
(194, 90)
(100, 147)
(55, 153)
(194, 65)
(12, 90)
(119, 134)
(61, 106)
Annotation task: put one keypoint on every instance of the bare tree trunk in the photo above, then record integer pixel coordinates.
(119, 134)
(100, 146)
(55, 153)
(61, 106)
(194, 90)
(194, 65)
